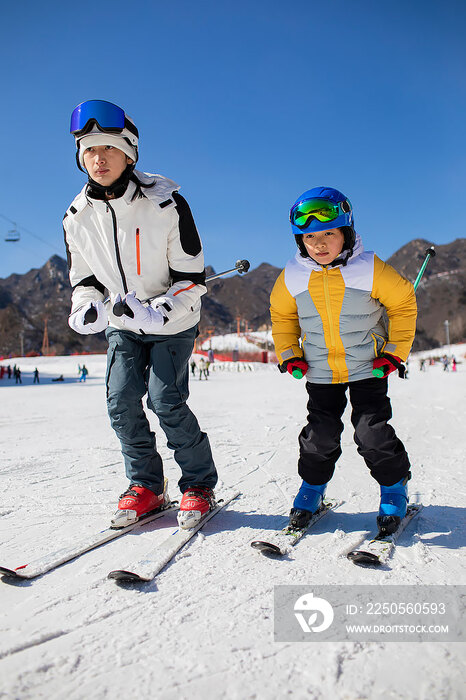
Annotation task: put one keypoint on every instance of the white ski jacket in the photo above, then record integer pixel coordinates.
(146, 243)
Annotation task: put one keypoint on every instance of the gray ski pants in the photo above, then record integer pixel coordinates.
(156, 365)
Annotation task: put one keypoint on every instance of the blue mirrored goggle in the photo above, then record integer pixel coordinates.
(107, 115)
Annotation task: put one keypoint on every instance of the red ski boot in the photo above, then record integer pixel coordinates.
(136, 502)
(196, 502)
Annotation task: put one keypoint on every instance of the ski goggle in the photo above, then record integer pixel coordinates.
(109, 117)
(320, 209)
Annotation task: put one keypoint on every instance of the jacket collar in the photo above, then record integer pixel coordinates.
(311, 264)
(158, 189)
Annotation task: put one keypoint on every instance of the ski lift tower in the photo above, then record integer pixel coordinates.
(45, 339)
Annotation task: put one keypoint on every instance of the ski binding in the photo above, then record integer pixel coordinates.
(377, 551)
(280, 543)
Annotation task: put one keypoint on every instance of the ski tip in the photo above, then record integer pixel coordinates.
(120, 575)
(364, 558)
(9, 572)
(266, 547)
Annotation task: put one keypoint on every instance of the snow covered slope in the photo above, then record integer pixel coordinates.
(204, 627)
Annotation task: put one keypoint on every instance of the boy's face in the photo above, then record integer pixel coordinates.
(105, 164)
(324, 246)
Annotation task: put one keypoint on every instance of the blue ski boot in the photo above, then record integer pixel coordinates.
(307, 502)
(393, 506)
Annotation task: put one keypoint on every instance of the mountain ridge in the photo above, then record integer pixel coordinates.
(26, 300)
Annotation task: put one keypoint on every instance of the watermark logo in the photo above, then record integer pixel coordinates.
(309, 604)
(324, 613)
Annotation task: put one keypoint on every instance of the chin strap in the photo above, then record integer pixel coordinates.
(340, 260)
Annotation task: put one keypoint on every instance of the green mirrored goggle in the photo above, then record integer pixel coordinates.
(320, 209)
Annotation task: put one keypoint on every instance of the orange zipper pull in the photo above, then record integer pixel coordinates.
(138, 253)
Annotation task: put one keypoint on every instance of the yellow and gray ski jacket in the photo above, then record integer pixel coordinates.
(334, 316)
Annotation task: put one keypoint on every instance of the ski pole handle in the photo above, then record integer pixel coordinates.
(91, 315)
(241, 266)
(380, 371)
(121, 308)
(296, 366)
(297, 373)
(430, 253)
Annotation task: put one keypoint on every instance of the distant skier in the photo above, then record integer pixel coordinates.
(203, 369)
(132, 235)
(327, 323)
(84, 373)
(36, 376)
(407, 367)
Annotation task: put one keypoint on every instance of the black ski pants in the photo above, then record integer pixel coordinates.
(319, 440)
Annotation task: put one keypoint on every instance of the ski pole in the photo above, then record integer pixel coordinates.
(380, 371)
(241, 266)
(430, 253)
(120, 308)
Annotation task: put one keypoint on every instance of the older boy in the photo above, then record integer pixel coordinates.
(130, 237)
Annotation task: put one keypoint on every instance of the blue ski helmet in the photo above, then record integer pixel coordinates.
(319, 209)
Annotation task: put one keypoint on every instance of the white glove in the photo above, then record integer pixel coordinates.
(163, 304)
(90, 318)
(145, 318)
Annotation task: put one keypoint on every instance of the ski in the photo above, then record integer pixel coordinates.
(51, 561)
(154, 561)
(281, 542)
(377, 551)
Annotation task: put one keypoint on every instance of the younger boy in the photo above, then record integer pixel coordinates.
(328, 321)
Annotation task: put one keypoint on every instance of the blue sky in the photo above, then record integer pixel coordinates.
(246, 105)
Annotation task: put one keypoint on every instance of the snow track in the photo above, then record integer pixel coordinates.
(204, 627)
